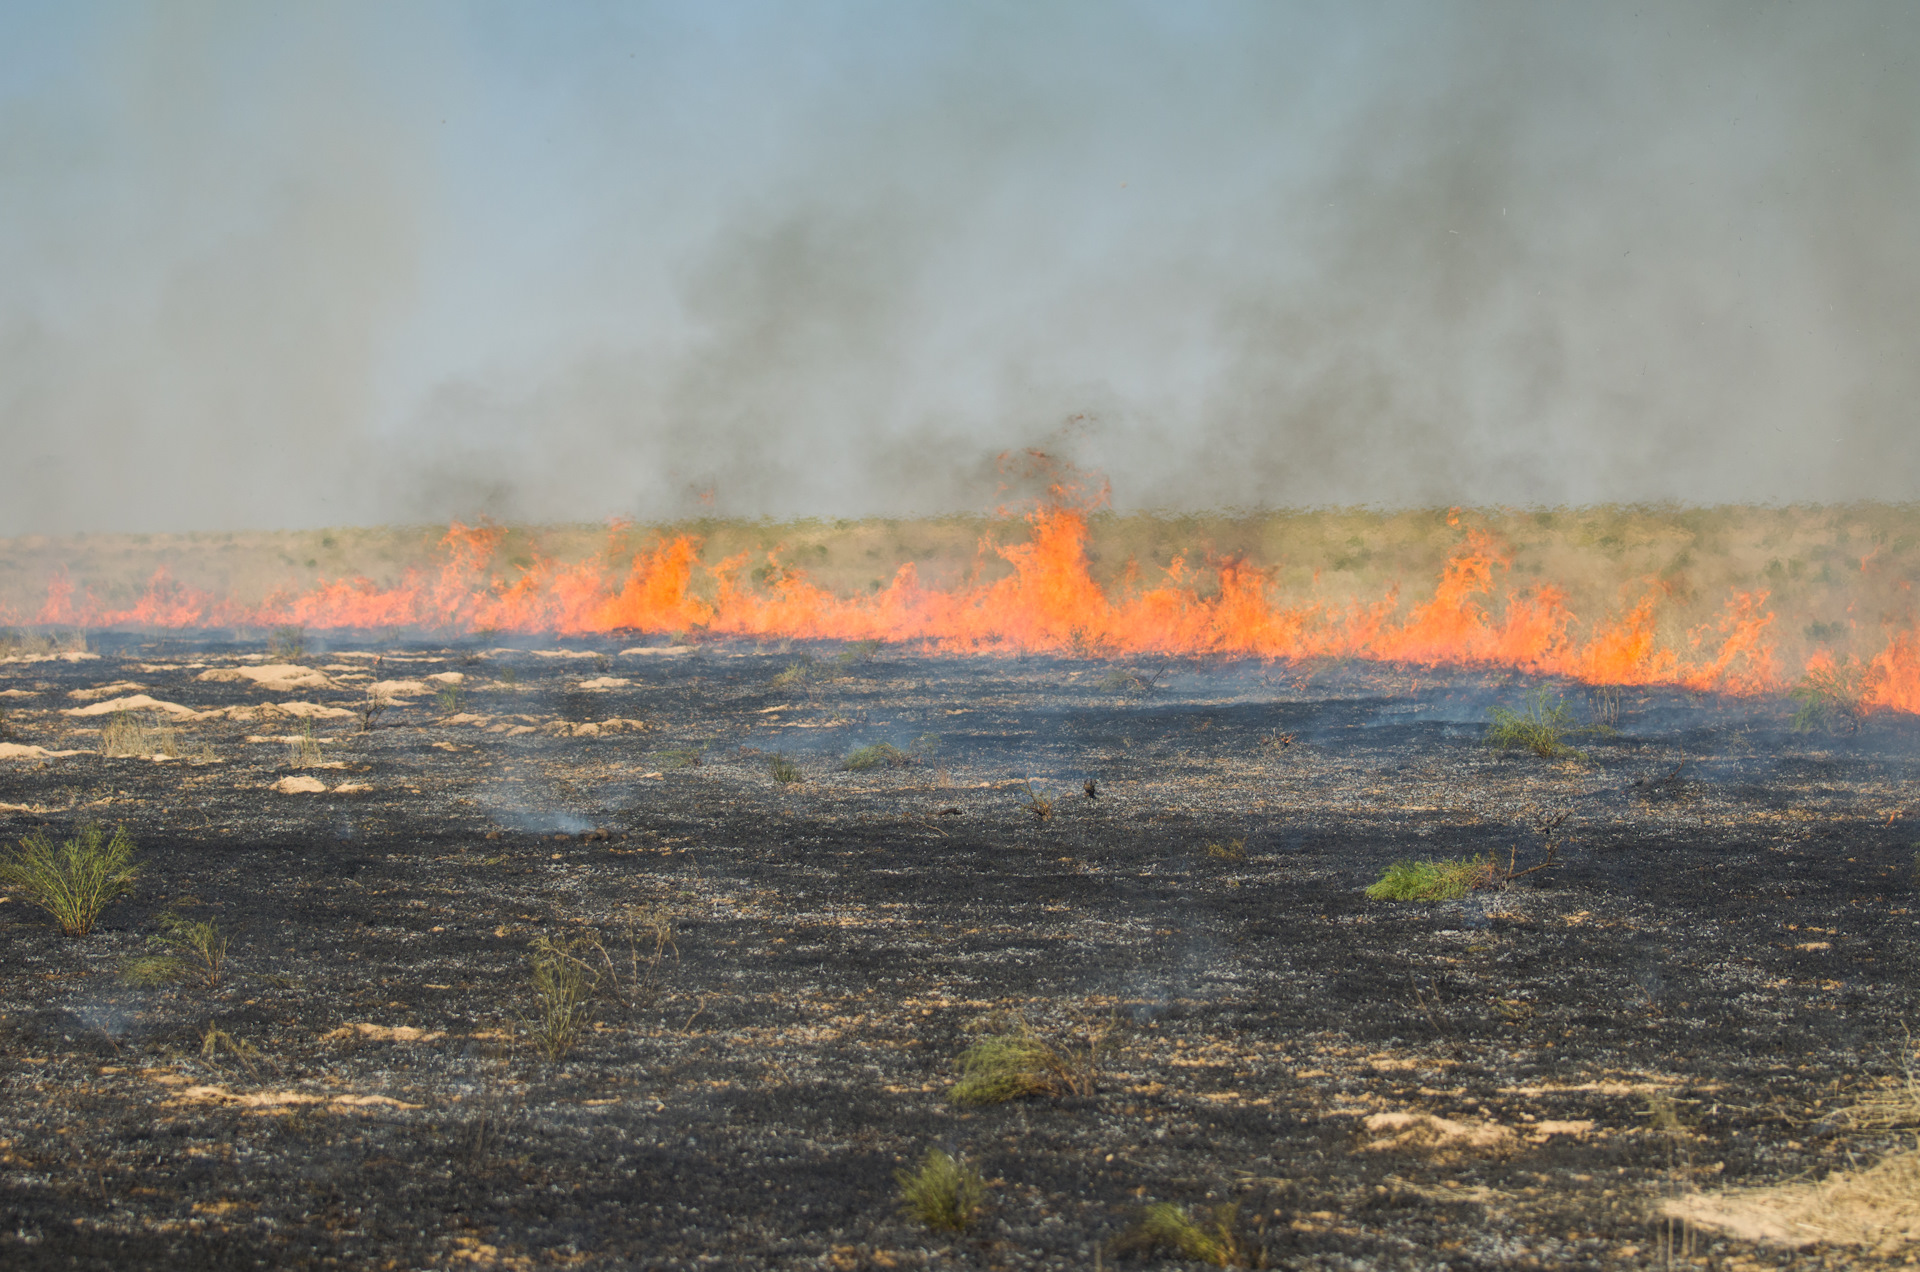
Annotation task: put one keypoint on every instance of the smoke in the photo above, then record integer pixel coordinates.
(340, 265)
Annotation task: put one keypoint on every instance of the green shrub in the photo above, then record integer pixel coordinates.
(289, 643)
(680, 757)
(564, 982)
(1539, 728)
(879, 755)
(1018, 1063)
(73, 881)
(1831, 698)
(944, 1193)
(858, 652)
(197, 943)
(1434, 880)
(449, 699)
(1168, 1229)
(1231, 850)
(798, 672)
(784, 770)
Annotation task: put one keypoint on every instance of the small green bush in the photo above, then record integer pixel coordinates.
(1017, 1063)
(680, 757)
(1166, 1228)
(944, 1193)
(784, 770)
(879, 755)
(564, 982)
(1831, 698)
(1539, 728)
(73, 881)
(858, 652)
(798, 672)
(288, 643)
(1006, 1067)
(1434, 880)
(196, 943)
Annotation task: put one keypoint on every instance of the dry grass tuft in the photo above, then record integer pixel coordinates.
(784, 770)
(130, 736)
(73, 881)
(945, 1193)
(304, 751)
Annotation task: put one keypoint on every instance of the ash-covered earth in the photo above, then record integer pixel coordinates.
(1680, 1013)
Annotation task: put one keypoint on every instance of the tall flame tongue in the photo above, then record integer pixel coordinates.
(1050, 602)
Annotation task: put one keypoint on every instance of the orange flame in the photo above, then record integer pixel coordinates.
(1050, 602)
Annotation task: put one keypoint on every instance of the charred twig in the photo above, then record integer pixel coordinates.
(1092, 788)
(1041, 806)
(1547, 824)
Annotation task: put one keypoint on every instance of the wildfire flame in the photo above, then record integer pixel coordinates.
(1050, 602)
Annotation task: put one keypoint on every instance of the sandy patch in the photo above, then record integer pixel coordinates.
(1438, 1137)
(1879, 1206)
(72, 655)
(604, 728)
(468, 717)
(18, 693)
(275, 676)
(314, 711)
(657, 651)
(105, 691)
(299, 784)
(447, 677)
(604, 682)
(380, 1033)
(394, 689)
(21, 751)
(135, 702)
(273, 1101)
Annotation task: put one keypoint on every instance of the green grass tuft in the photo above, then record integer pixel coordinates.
(1206, 1236)
(945, 1193)
(564, 982)
(784, 770)
(1434, 880)
(73, 881)
(1538, 728)
(879, 755)
(1831, 698)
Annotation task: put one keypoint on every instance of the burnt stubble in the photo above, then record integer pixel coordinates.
(1728, 931)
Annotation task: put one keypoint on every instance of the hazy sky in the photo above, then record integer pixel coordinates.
(292, 265)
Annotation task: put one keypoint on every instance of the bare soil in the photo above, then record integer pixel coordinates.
(1521, 1078)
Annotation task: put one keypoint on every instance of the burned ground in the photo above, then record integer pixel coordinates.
(1518, 1078)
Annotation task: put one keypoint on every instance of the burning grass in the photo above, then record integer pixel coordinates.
(1736, 599)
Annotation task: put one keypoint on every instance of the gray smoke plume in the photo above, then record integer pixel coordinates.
(273, 268)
